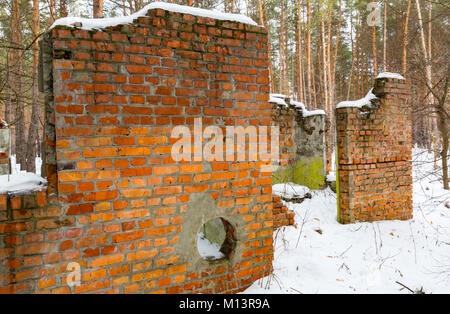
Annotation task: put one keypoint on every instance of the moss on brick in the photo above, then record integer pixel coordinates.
(310, 172)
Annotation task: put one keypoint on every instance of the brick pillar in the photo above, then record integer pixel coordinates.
(374, 156)
(4, 148)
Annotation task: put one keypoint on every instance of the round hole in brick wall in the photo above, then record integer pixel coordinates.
(216, 239)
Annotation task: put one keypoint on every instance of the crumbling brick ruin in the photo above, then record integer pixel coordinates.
(120, 215)
(302, 143)
(117, 207)
(374, 146)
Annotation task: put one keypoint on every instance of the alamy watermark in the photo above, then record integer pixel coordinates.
(74, 276)
(211, 144)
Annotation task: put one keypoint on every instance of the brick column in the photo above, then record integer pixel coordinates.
(4, 148)
(374, 156)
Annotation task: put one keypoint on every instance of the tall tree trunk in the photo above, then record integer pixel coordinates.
(281, 76)
(130, 4)
(62, 8)
(384, 36)
(443, 129)
(287, 85)
(308, 54)
(443, 126)
(430, 58)
(427, 59)
(299, 54)
(124, 7)
(304, 53)
(260, 12)
(16, 85)
(314, 84)
(336, 46)
(328, 50)
(430, 8)
(52, 9)
(324, 57)
(352, 68)
(374, 42)
(358, 63)
(405, 38)
(33, 131)
(98, 9)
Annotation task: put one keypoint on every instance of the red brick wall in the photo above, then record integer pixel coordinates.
(282, 216)
(374, 156)
(126, 211)
(283, 117)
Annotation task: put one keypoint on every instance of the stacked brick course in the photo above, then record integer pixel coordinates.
(117, 203)
(374, 154)
(283, 117)
(282, 216)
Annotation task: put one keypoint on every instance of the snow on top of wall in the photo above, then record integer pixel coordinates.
(279, 96)
(390, 75)
(21, 183)
(88, 24)
(280, 100)
(277, 100)
(307, 113)
(366, 101)
(331, 177)
(298, 104)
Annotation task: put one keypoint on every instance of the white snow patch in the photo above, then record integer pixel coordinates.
(277, 100)
(307, 113)
(323, 256)
(88, 24)
(21, 182)
(298, 104)
(279, 96)
(207, 249)
(390, 75)
(331, 177)
(290, 190)
(280, 100)
(358, 103)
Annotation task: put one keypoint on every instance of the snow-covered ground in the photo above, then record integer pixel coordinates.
(290, 190)
(322, 256)
(207, 249)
